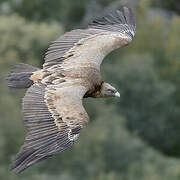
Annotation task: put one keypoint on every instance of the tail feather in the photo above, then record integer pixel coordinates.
(19, 76)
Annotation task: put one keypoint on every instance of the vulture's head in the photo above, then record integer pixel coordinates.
(108, 91)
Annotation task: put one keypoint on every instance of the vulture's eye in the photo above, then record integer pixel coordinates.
(110, 91)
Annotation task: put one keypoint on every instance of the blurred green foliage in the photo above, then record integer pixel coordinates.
(135, 137)
(172, 5)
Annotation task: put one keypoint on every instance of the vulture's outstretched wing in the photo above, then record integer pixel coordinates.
(91, 45)
(54, 118)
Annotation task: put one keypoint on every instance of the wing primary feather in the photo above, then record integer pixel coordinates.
(121, 17)
(127, 15)
(117, 21)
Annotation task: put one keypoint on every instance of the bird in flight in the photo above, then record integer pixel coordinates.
(52, 106)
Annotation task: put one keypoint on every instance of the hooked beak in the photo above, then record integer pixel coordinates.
(117, 94)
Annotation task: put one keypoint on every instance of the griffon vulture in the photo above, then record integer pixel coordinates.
(52, 106)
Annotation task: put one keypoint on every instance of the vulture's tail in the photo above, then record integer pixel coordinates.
(20, 76)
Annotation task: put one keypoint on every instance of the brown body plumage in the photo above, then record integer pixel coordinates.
(52, 107)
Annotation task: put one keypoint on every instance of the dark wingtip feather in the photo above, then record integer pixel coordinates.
(19, 158)
(127, 16)
(130, 16)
